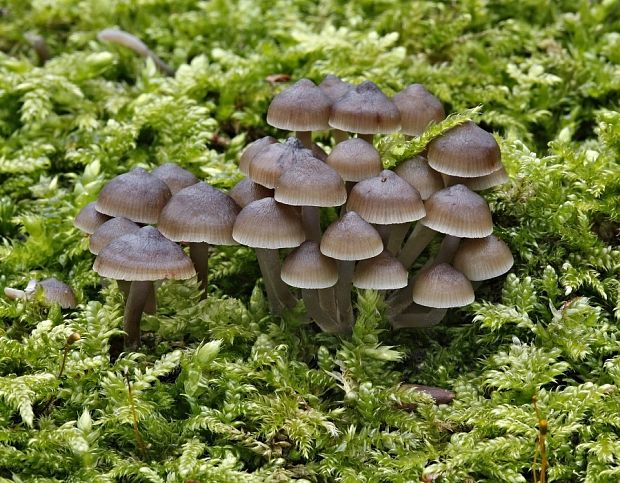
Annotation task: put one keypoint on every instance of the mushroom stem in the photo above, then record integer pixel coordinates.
(323, 320)
(150, 307)
(447, 249)
(340, 135)
(367, 137)
(133, 312)
(310, 218)
(199, 253)
(418, 316)
(305, 137)
(420, 237)
(14, 293)
(397, 236)
(278, 294)
(343, 291)
(327, 299)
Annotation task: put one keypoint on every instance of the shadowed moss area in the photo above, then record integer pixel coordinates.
(222, 391)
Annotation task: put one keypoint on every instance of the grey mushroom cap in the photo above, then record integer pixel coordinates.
(266, 223)
(421, 176)
(246, 191)
(355, 159)
(269, 163)
(57, 292)
(442, 286)
(458, 211)
(386, 199)
(89, 219)
(465, 150)
(175, 177)
(145, 255)
(306, 267)
(301, 107)
(110, 230)
(251, 150)
(483, 258)
(136, 195)
(351, 238)
(418, 109)
(365, 110)
(334, 87)
(199, 213)
(383, 272)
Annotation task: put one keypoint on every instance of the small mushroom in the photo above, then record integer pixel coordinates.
(418, 108)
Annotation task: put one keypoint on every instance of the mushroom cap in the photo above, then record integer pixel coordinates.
(109, 231)
(465, 150)
(351, 238)
(441, 286)
(246, 191)
(480, 183)
(268, 224)
(383, 272)
(365, 110)
(306, 267)
(334, 87)
(355, 159)
(89, 219)
(174, 176)
(458, 211)
(136, 195)
(300, 107)
(418, 108)
(420, 175)
(386, 199)
(483, 258)
(269, 163)
(199, 213)
(310, 182)
(251, 150)
(57, 292)
(142, 256)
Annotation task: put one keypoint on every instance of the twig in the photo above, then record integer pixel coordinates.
(136, 431)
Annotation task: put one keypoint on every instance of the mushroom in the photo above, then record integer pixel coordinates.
(141, 257)
(269, 163)
(302, 108)
(335, 88)
(200, 215)
(418, 109)
(355, 160)
(442, 286)
(483, 258)
(246, 191)
(89, 219)
(136, 195)
(120, 37)
(465, 150)
(174, 176)
(383, 272)
(481, 183)
(251, 150)
(365, 110)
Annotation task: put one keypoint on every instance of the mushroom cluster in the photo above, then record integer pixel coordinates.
(134, 226)
(387, 218)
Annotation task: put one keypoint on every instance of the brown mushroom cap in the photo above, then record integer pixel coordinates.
(480, 183)
(365, 110)
(251, 150)
(334, 87)
(458, 211)
(199, 213)
(301, 107)
(355, 159)
(442, 286)
(310, 182)
(465, 150)
(136, 195)
(268, 224)
(418, 108)
(269, 163)
(246, 191)
(483, 258)
(57, 292)
(351, 238)
(306, 267)
(142, 256)
(174, 176)
(386, 199)
(420, 175)
(89, 219)
(110, 230)
(383, 272)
